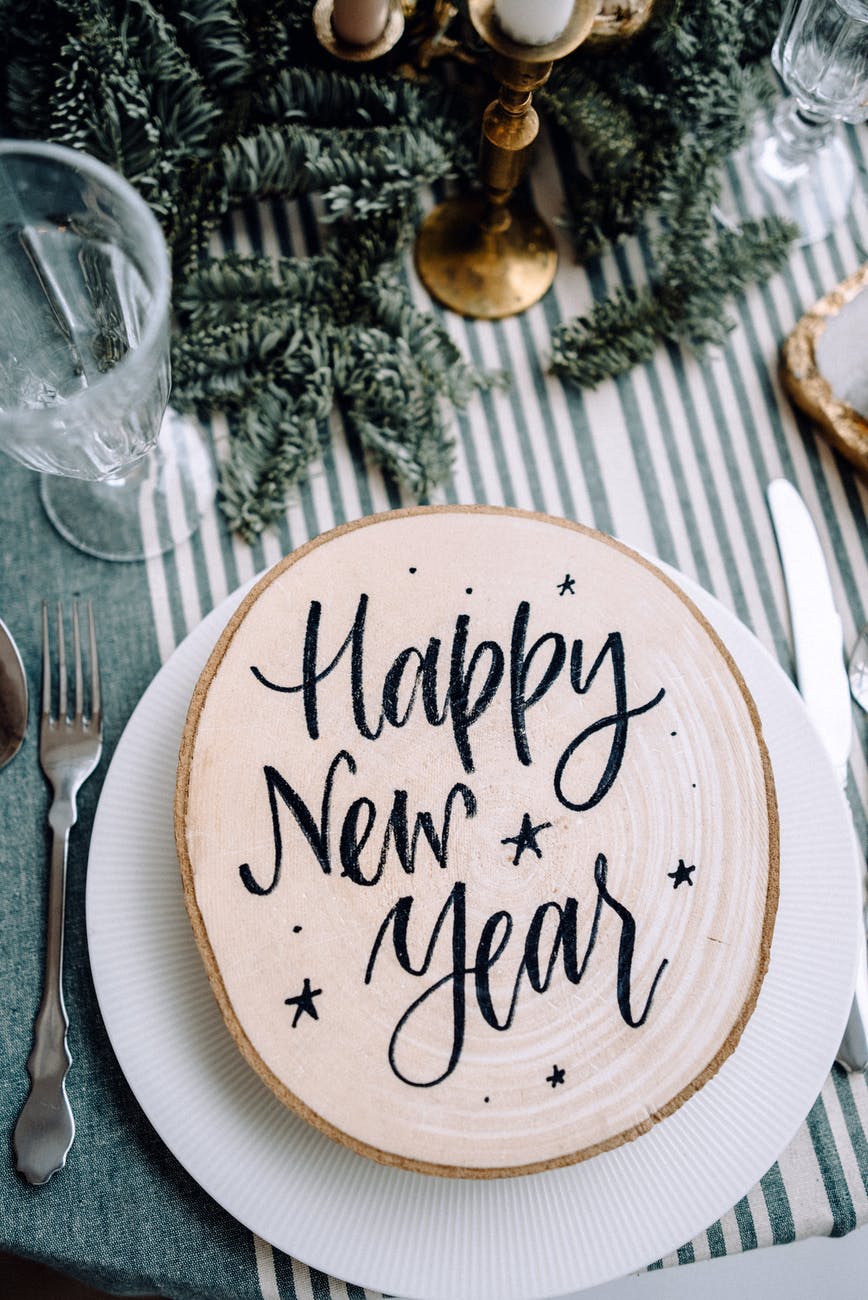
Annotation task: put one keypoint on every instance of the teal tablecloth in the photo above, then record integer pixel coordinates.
(673, 458)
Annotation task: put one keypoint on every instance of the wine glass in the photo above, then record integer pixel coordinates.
(796, 166)
(84, 356)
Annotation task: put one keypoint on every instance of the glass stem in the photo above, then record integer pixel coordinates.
(129, 476)
(800, 133)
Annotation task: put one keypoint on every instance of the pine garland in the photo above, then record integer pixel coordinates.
(208, 104)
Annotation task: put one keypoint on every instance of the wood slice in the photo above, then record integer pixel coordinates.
(478, 838)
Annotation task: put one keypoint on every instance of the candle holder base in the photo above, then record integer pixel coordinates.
(340, 49)
(481, 272)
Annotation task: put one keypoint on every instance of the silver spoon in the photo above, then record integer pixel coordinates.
(858, 670)
(13, 697)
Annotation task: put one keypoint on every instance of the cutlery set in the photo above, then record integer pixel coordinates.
(70, 746)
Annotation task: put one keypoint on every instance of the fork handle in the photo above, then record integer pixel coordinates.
(45, 1128)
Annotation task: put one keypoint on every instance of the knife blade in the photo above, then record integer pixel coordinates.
(818, 636)
(821, 674)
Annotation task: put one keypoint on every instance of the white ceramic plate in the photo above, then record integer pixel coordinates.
(441, 1239)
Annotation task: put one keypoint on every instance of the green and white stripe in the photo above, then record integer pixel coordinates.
(674, 458)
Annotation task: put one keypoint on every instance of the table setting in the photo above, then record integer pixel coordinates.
(215, 383)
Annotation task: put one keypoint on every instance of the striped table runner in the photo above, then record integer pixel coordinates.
(673, 458)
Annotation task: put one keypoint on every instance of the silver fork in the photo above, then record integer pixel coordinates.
(69, 750)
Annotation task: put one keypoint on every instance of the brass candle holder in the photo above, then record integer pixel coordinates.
(483, 256)
(340, 49)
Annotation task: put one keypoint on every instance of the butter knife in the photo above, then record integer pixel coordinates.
(821, 674)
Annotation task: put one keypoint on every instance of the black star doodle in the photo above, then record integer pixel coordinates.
(526, 838)
(681, 874)
(568, 585)
(303, 1002)
(557, 1076)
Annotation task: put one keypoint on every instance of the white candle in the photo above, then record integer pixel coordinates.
(532, 22)
(360, 22)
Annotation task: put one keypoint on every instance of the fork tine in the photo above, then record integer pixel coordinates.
(46, 665)
(95, 696)
(61, 665)
(76, 658)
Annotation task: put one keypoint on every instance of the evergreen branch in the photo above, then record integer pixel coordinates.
(686, 305)
(329, 98)
(440, 363)
(360, 170)
(236, 287)
(274, 442)
(153, 109)
(390, 402)
(35, 32)
(616, 335)
(275, 343)
(227, 364)
(215, 41)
